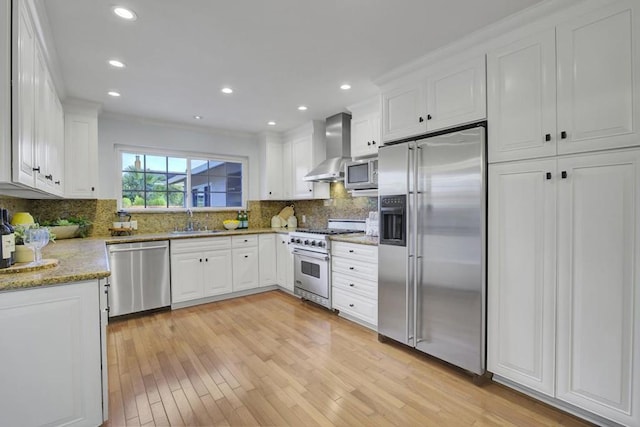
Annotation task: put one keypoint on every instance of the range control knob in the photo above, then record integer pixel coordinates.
(293, 240)
(298, 240)
(313, 243)
(306, 242)
(321, 244)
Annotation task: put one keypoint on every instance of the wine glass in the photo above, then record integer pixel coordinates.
(36, 239)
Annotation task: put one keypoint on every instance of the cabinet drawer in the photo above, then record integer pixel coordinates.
(367, 253)
(363, 270)
(365, 288)
(356, 306)
(197, 244)
(244, 241)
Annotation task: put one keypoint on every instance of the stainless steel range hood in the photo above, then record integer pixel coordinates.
(338, 140)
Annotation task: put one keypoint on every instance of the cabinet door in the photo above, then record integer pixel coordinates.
(360, 136)
(598, 284)
(245, 269)
(598, 83)
(272, 168)
(186, 277)
(81, 146)
(218, 272)
(268, 259)
(24, 103)
(51, 352)
(403, 112)
(285, 262)
(57, 148)
(41, 122)
(522, 273)
(301, 165)
(287, 171)
(522, 99)
(457, 95)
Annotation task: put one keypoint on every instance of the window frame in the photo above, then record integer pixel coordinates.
(188, 155)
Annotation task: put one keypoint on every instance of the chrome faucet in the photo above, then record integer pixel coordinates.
(189, 226)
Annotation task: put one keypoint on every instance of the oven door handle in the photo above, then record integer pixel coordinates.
(313, 255)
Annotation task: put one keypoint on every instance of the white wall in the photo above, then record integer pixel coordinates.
(122, 130)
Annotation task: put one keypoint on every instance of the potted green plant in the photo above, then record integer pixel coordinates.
(68, 228)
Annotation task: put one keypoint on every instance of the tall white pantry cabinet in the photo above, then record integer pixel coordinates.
(564, 204)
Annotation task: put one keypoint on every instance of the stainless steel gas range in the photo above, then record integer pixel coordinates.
(312, 259)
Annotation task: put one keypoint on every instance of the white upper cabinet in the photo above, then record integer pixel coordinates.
(5, 91)
(598, 91)
(271, 166)
(303, 149)
(569, 91)
(24, 99)
(81, 146)
(522, 99)
(301, 164)
(366, 134)
(449, 95)
(457, 95)
(404, 111)
(36, 153)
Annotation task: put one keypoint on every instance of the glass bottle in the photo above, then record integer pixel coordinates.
(5, 247)
(5, 220)
(245, 220)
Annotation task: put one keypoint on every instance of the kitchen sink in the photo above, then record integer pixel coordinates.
(192, 232)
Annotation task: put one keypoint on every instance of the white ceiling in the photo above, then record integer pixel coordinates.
(275, 54)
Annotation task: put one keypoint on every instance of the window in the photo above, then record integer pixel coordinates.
(155, 181)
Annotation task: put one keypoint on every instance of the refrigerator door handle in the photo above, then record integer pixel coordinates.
(414, 211)
(409, 301)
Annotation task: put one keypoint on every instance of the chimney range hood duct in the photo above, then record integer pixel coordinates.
(338, 140)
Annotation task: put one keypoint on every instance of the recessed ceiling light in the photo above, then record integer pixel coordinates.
(345, 86)
(197, 117)
(227, 90)
(125, 13)
(302, 107)
(114, 94)
(271, 123)
(115, 63)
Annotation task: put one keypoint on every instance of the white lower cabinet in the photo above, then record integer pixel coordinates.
(574, 335)
(51, 366)
(268, 259)
(218, 277)
(284, 270)
(200, 268)
(522, 273)
(354, 281)
(246, 273)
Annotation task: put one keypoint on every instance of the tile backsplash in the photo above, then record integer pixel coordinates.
(102, 212)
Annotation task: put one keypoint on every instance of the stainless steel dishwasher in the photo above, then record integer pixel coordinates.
(139, 277)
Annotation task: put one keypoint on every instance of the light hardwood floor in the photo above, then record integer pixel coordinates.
(272, 360)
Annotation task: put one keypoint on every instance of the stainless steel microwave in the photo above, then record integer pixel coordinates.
(361, 174)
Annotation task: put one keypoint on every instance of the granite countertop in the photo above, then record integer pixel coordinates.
(79, 259)
(359, 238)
(171, 236)
(87, 259)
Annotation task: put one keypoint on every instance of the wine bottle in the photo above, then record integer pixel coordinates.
(245, 220)
(5, 220)
(5, 247)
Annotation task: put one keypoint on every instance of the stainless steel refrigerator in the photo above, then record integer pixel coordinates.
(432, 266)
